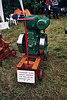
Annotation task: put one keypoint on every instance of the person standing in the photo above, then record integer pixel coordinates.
(55, 8)
(48, 6)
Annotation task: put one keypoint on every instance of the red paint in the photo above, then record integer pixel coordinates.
(43, 25)
(1, 46)
(3, 52)
(24, 19)
(36, 74)
(26, 42)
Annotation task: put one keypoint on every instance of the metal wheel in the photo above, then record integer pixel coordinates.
(43, 44)
(40, 75)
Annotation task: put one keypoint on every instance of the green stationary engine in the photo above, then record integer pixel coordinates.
(37, 41)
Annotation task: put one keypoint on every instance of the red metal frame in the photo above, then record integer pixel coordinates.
(2, 45)
(25, 19)
(37, 73)
(3, 51)
(26, 42)
(8, 54)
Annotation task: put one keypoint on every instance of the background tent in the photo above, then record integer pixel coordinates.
(9, 6)
(21, 3)
(3, 5)
(3, 25)
(1, 11)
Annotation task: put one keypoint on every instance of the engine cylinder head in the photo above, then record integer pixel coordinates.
(43, 23)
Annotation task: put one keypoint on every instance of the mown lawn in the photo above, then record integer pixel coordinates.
(54, 83)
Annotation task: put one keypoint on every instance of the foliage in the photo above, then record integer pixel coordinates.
(33, 4)
(10, 5)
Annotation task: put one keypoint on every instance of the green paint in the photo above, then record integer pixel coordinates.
(33, 34)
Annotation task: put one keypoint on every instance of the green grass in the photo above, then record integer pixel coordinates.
(54, 83)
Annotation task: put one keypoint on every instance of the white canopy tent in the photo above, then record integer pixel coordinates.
(1, 9)
(21, 3)
(4, 25)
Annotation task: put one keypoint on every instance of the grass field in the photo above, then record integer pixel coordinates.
(54, 83)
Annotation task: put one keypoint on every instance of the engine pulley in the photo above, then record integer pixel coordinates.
(43, 44)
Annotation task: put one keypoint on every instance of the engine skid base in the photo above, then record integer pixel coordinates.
(33, 65)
